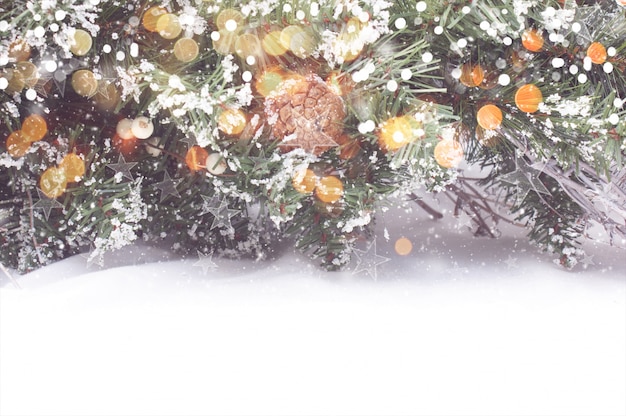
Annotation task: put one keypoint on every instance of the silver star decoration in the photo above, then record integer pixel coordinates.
(40, 85)
(525, 179)
(103, 87)
(167, 187)
(189, 140)
(46, 204)
(511, 262)
(209, 203)
(587, 261)
(91, 258)
(122, 167)
(368, 261)
(222, 215)
(260, 162)
(205, 261)
(60, 79)
(463, 220)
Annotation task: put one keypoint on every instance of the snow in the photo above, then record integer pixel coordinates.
(461, 326)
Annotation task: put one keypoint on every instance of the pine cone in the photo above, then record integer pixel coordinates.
(305, 112)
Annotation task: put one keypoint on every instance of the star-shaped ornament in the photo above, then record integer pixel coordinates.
(209, 203)
(189, 140)
(368, 261)
(122, 167)
(206, 262)
(587, 261)
(93, 257)
(60, 80)
(511, 262)
(167, 187)
(41, 86)
(46, 204)
(463, 221)
(260, 162)
(525, 179)
(222, 215)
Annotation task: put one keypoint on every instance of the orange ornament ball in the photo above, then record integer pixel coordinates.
(196, 158)
(448, 153)
(489, 117)
(168, 26)
(329, 189)
(471, 75)
(403, 246)
(53, 182)
(74, 167)
(17, 145)
(528, 97)
(597, 53)
(532, 40)
(151, 16)
(34, 128)
(305, 181)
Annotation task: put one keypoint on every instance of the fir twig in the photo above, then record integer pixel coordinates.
(430, 210)
(32, 225)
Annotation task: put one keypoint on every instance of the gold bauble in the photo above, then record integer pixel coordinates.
(232, 121)
(17, 145)
(80, 42)
(151, 16)
(329, 189)
(84, 83)
(305, 181)
(53, 182)
(230, 20)
(168, 26)
(34, 128)
(74, 167)
(186, 49)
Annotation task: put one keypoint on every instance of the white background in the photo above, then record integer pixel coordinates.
(461, 326)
